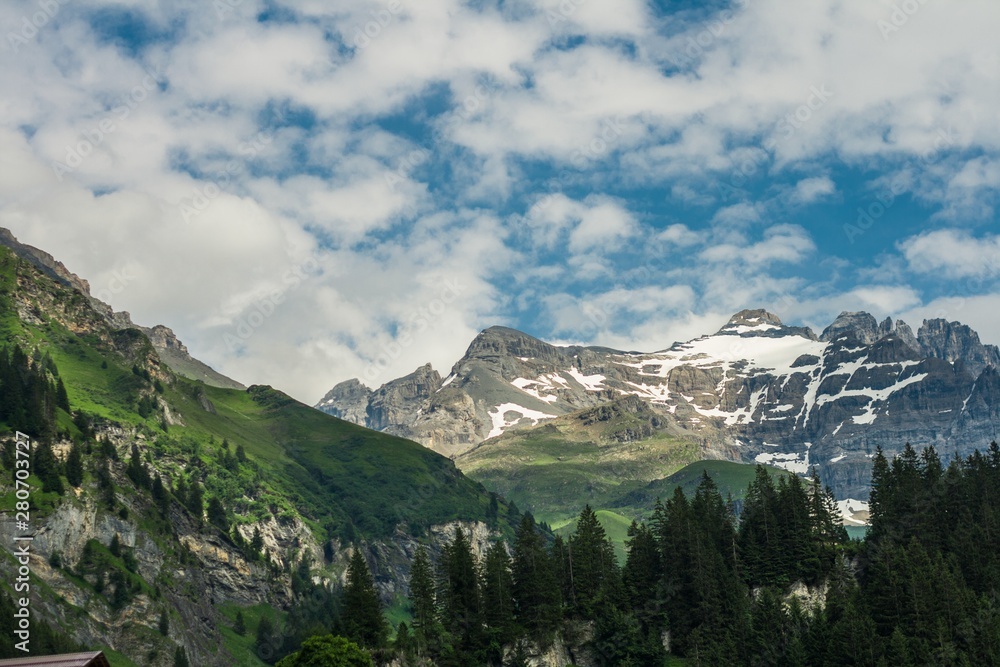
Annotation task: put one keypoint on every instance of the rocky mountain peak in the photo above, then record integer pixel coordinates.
(45, 262)
(754, 317)
(761, 323)
(503, 341)
(399, 401)
(861, 325)
(164, 338)
(348, 401)
(953, 341)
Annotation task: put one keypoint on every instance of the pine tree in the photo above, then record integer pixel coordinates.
(217, 514)
(180, 657)
(362, 617)
(422, 600)
(641, 575)
(498, 593)
(460, 611)
(240, 624)
(62, 398)
(759, 543)
(74, 466)
(264, 638)
(48, 469)
(194, 501)
(591, 563)
(536, 587)
(160, 495)
(164, 624)
(256, 541)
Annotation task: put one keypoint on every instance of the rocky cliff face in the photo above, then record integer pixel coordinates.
(348, 401)
(171, 350)
(781, 394)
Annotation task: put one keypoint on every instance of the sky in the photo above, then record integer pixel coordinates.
(310, 191)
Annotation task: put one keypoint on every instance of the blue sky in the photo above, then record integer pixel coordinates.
(311, 191)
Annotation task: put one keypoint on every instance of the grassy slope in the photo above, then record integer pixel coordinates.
(331, 470)
(555, 468)
(617, 514)
(731, 478)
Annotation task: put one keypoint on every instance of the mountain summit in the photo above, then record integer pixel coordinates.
(756, 390)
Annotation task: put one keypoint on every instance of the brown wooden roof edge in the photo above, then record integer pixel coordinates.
(89, 659)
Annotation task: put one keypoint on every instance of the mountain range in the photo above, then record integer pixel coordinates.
(754, 391)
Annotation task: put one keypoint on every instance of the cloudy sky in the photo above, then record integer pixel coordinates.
(309, 191)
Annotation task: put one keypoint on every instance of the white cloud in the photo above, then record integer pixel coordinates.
(781, 243)
(607, 115)
(953, 253)
(810, 190)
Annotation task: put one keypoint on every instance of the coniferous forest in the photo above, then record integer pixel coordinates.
(781, 584)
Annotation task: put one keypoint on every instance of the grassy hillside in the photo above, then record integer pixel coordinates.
(150, 441)
(334, 473)
(593, 456)
(731, 478)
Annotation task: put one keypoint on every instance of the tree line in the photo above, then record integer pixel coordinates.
(780, 584)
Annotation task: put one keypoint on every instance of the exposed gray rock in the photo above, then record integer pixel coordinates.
(862, 326)
(348, 401)
(905, 334)
(953, 342)
(45, 262)
(395, 404)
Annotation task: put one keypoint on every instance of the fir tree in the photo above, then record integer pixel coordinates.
(62, 398)
(422, 600)
(536, 587)
(240, 625)
(460, 609)
(74, 466)
(256, 541)
(194, 501)
(362, 617)
(217, 514)
(498, 594)
(48, 469)
(591, 563)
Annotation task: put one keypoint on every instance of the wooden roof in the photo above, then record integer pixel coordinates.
(92, 659)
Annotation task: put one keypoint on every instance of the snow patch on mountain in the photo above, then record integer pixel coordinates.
(588, 382)
(510, 414)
